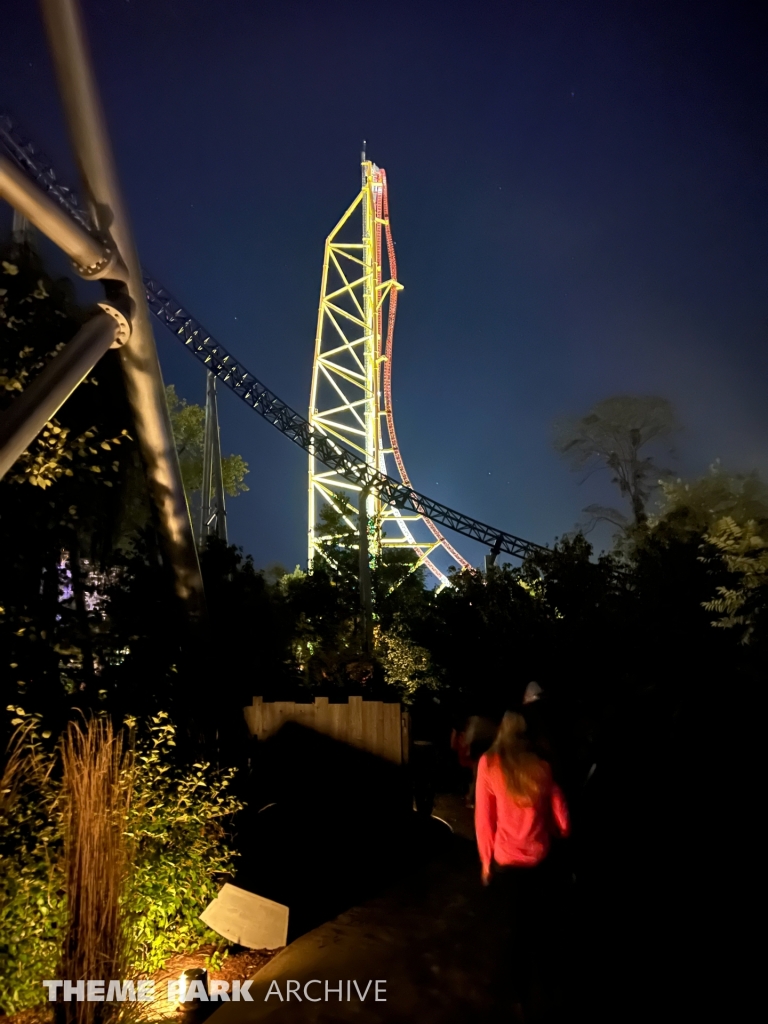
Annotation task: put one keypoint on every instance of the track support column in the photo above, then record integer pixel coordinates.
(141, 368)
(366, 595)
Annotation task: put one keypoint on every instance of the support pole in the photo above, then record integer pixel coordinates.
(490, 558)
(366, 597)
(141, 368)
(217, 472)
(205, 486)
(23, 420)
(91, 258)
(212, 511)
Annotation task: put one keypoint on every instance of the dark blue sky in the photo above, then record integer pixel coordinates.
(579, 194)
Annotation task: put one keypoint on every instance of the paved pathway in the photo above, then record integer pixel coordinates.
(423, 938)
(430, 938)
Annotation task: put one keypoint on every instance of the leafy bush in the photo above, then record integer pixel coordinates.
(32, 898)
(176, 823)
(406, 665)
(178, 841)
(743, 550)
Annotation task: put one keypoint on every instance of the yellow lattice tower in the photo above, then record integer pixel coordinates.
(351, 383)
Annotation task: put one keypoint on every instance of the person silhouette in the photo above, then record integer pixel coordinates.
(519, 808)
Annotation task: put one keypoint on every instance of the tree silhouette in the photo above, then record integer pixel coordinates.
(614, 435)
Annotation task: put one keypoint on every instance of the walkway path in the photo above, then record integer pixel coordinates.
(429, 939)
(423, 939)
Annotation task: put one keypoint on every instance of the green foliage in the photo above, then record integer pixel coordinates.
(723, 517)
(177, 832)
(188, 423)
(693, 506)
(336, 536)
(233, 470)
(87, 492)
(177, 822)
(407, 667)
(744, 551)
(32, 899)
(324, 607)
(305, 626)
(53, 453)
(468, 629)
(37, 319)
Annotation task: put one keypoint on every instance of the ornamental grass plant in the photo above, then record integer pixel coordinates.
(97, 780)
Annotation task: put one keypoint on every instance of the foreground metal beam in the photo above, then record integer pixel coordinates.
(90, 257)
(23, 420)
(141, 368)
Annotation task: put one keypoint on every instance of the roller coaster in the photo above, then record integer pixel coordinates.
(349, 434)
(347, 464)
(351, 396)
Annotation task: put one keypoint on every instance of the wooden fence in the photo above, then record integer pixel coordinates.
(372, 725)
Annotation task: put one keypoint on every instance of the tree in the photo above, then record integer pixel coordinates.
(744, 551)
(698, 504)
(614, 435)
(481, 633)
(722, 520)
(328, 642)
(38, 317)
(188, 423)
(395, 577)
(405, 664)
(63, 505)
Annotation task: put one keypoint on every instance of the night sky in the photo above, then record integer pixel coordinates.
(579, 195)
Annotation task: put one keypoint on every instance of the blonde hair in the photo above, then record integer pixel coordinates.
(526, 774)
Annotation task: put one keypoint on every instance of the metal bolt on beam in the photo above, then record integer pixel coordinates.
(90, 258)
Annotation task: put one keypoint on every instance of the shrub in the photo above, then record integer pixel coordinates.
(32, 898)
(177, 825)
(177, 841)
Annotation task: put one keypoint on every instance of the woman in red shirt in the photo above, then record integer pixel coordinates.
(518, 808)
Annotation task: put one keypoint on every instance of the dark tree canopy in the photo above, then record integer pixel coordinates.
(615, 434)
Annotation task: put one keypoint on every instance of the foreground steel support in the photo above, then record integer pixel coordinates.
(41, 400)
(141, 368)
(90, 257)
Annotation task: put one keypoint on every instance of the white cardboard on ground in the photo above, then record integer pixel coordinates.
(247, 919)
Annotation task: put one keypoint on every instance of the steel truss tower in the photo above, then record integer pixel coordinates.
(351, 397)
